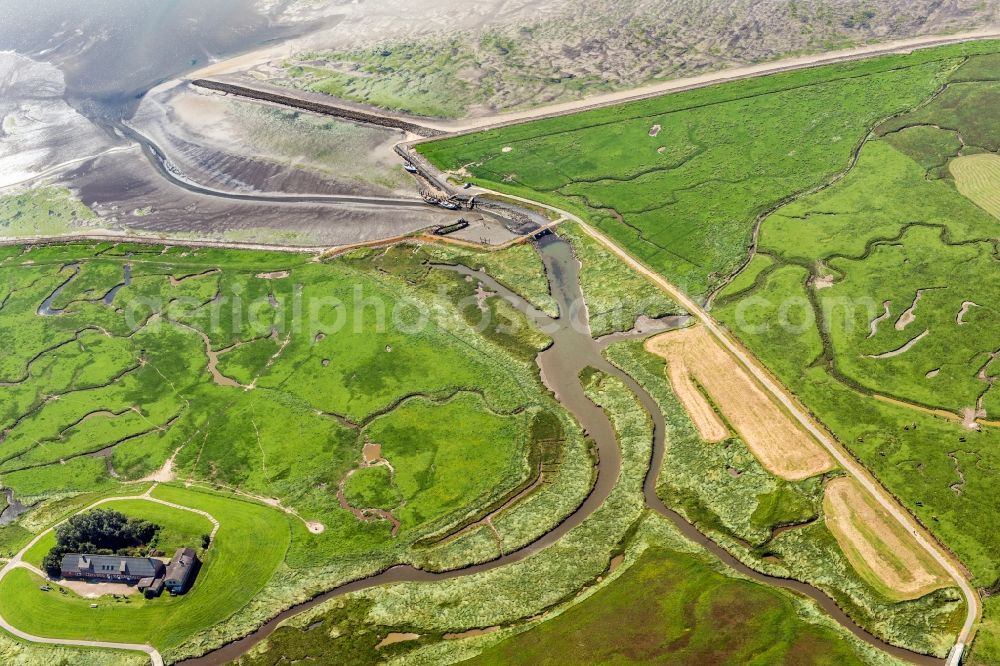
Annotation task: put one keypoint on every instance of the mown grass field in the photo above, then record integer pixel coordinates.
(248, 548)
(685, 201)
(877, 546)
(978, 178)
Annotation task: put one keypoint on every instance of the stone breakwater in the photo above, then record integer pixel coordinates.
(326, 108)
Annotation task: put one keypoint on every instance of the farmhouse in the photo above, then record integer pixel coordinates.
(110, 568)
(180, 570)
(151, 587)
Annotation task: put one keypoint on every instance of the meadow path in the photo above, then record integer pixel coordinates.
(17, 562)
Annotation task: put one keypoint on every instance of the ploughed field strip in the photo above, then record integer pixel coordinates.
(696, 362)
(876, 544)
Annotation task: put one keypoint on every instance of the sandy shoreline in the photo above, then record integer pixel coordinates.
(473, 123)
(720, 76)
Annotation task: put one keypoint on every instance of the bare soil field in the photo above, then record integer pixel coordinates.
(878, 547)
(780, 445)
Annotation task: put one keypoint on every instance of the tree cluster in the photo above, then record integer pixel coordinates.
(100, 532)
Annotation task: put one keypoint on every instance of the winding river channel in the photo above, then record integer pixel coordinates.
(572, 350)
(165, 168)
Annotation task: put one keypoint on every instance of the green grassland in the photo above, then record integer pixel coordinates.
(373, 347)
(14, 652)
(896, 224)
(518, 268)
(267, 388)
(249, 546)
(42, 211)
(831, 249)
(573, 578)
(446, 454)
(686, 201)
(986, 648)
(132, 375)
(776, 526)
(512, 593)
(670, 606)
